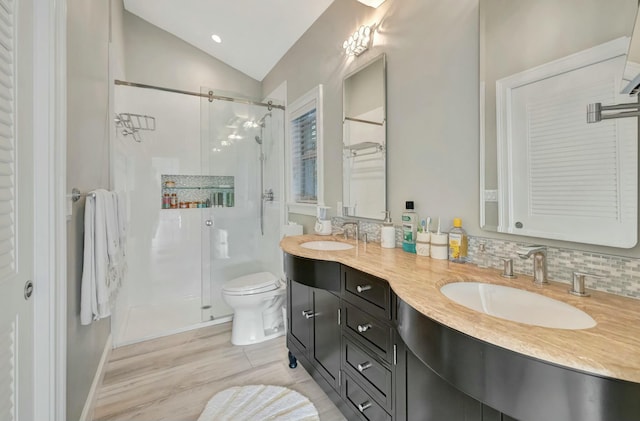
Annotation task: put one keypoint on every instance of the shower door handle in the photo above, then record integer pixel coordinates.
(208, 222)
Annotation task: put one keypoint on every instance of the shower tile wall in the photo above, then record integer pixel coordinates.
(164, 248)
(178, 261)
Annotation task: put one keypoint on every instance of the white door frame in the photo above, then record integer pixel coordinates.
(50, 247)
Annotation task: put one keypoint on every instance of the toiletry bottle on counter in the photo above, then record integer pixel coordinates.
(387, 232)
(423, 238)
(439, 244)
(458, 241)
(409, 228)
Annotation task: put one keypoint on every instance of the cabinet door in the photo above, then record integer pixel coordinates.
(326, 334)
(299, 307)
(421, 395)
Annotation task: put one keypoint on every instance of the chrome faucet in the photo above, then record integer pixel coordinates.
(356, 225)
(539, 254)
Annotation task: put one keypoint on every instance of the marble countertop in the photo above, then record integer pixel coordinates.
(611, 348)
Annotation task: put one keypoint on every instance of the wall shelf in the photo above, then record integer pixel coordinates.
(197, 191)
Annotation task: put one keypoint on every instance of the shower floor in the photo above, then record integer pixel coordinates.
(154, 320)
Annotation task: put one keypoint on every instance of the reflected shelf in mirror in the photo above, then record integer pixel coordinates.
(364, 134)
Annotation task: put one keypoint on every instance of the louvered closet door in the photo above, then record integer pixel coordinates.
(573, 180)
(16, 216)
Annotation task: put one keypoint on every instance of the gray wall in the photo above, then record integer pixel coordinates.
(432, 105)
(432, 97)
(138, 52)
(155, 57)
(87, 169)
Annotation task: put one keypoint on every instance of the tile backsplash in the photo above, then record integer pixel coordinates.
(615, 274)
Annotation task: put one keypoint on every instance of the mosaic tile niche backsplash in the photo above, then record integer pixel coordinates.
(212, 189)
(615, 274)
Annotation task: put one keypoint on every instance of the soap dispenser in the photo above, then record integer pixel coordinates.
(387, 232)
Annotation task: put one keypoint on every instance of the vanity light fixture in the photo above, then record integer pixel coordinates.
(372, 3)
(216, 38)
(359, 41)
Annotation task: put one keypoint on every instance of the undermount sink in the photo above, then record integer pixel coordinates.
(326, 245)
(517, 305)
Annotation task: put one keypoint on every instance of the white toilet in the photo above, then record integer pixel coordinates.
(257, 300)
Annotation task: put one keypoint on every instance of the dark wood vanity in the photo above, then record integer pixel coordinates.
(380, 359)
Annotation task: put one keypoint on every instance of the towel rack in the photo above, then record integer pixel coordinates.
(76, 194)
(131, 124)
(358, 149)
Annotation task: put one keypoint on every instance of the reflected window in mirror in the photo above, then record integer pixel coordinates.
(305, 181)
(545, 172)
(365, 141)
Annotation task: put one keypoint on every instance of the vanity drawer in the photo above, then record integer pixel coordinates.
(368, 371)
(368, 292)
(375, 333)
(361, 402)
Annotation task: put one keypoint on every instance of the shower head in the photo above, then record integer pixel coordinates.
(261, 121)
(259, 140)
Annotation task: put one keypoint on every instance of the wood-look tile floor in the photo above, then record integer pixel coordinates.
(172, 378)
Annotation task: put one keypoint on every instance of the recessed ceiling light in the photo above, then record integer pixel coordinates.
(372, 3)
(216, 38)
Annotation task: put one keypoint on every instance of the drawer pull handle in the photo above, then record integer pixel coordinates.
(363, 288)
(364, 366)
(363, 406)
(363, 328)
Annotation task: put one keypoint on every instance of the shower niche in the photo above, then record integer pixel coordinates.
(197, 191)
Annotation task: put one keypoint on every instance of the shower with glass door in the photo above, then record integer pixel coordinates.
(242, 140)
(217, 155)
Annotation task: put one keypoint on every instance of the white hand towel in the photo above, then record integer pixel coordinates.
(94, 295)
(88, 304)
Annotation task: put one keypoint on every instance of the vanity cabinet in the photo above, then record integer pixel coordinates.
(346, 328)
(341, 330)
(368, 345)
(422, 395)
(313, 304)
(315, 330)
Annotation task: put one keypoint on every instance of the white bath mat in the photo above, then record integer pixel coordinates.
(259, 403)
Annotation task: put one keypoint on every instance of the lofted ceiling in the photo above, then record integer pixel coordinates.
(255, 34)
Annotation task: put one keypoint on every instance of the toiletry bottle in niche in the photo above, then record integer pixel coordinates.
(166, 201)
(387, 232)
(458, 242)
(409, 228)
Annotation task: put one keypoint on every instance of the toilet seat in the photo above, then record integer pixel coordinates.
(254, 283)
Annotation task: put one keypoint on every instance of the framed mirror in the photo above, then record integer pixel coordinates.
(545, 172)
(364, 169)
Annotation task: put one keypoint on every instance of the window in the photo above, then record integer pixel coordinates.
(305, 153)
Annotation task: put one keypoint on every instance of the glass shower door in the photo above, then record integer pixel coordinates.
(231, 235)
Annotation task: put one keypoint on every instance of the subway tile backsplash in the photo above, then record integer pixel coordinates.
(616, 274)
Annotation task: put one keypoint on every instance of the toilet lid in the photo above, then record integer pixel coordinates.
(252, 284)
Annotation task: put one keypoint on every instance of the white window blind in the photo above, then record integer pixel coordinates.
(305, 153)
(7, 139)
(304, 144)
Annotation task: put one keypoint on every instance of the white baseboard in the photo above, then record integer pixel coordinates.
(89, 405)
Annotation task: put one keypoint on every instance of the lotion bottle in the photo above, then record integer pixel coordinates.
(387, 232)
(458, 242)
